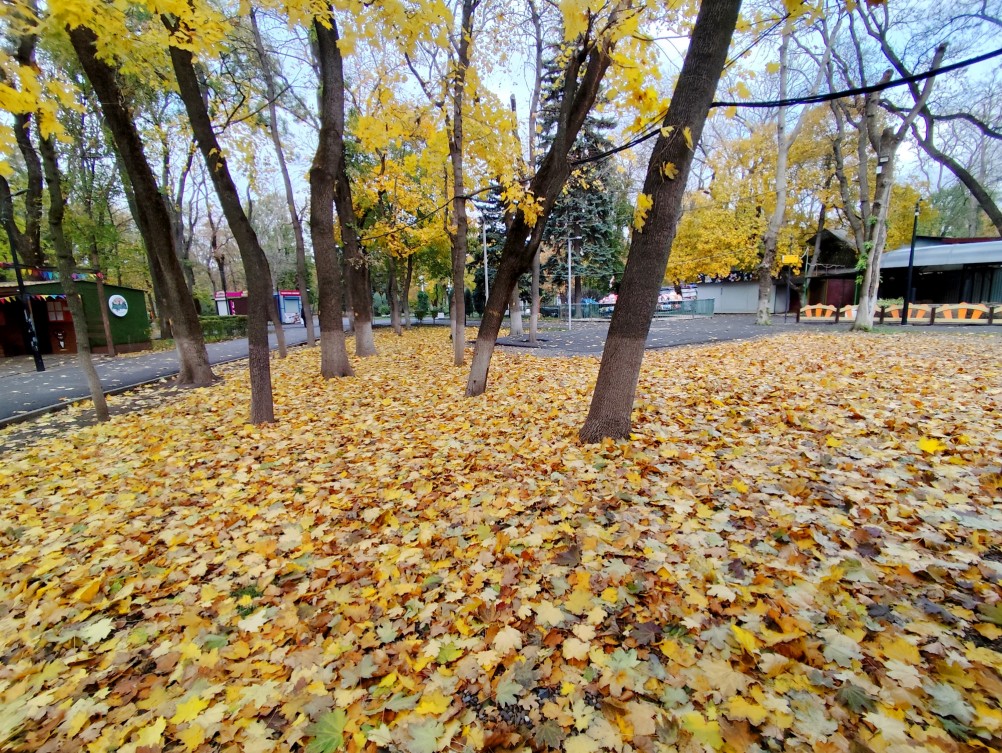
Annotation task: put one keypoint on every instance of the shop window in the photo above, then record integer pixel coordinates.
(58, 311)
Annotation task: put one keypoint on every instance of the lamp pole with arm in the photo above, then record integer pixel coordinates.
(911, 266)
(570, 281)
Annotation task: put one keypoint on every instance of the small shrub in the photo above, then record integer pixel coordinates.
(423, 306)
(218, 328)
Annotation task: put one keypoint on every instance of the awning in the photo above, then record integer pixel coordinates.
(945, 255)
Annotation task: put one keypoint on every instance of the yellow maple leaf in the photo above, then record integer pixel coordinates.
(188, 710)
(433, 704)
(740, 709)
(669, 170)
(192, 736)
(152, 734)
(903, 650)
(705, 731)
(746, 639)
(931, 445)
(89, 591)
(687, 134)
(644, 203)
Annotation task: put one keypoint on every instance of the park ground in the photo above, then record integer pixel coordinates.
(800, 548)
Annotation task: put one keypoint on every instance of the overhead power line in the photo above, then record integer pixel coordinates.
(655, 125)
(819, 98)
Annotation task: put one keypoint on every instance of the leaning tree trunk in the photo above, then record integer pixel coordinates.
(32, 254)
(154, 220)
(64, 259)
(333, 354)
(612, 401)
(522, 239)
(290, 198)
(259, 294)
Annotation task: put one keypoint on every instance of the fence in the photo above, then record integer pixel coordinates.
(604, 310)
(918, 313)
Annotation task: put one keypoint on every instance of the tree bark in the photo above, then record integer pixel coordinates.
(875, 231)
(393, 296)
(612, 401)
(522, 239)
(64, 260)
(32, 250)
(976, 187)
(153, 219)
(537, 28)
(460, 246)
(260, 303)
(15, 237)
(764, 315)
(271, 91)
(356, 264)
(329, 158)
(407, 291)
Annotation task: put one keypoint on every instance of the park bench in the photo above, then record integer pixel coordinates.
(963, 313)
(817, 312)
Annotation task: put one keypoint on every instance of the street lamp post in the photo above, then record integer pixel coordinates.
(570, 282)
(487, 277)
(911, 266)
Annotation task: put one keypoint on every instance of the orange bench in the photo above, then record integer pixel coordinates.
(817, 312)
(962, 313)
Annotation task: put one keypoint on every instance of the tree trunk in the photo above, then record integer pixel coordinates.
(981, 195)
(103, 305)
(64, 259)
(763, 315)
(290, 198)
(612, 401)
(522, 240)
(459, 239)
(153, 218)
(784, 142)
(32, 250)
(15, 238)
(326, 162)
(407, 291)
(356, 265)
(537, 28)
(515, 313)
(157, 305)
(812, 266)
(260, 304)
(393, 296)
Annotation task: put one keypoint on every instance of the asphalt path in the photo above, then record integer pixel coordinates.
(587, 338)
(25, 394)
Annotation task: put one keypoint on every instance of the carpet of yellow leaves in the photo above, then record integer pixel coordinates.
(799, 549)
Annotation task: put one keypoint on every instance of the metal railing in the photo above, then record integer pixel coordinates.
(604, 310)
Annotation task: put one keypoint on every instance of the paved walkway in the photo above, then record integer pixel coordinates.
(588, 338)
(25, 392)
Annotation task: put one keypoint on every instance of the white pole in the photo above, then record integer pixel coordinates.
(570, 284)
(487, 284)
